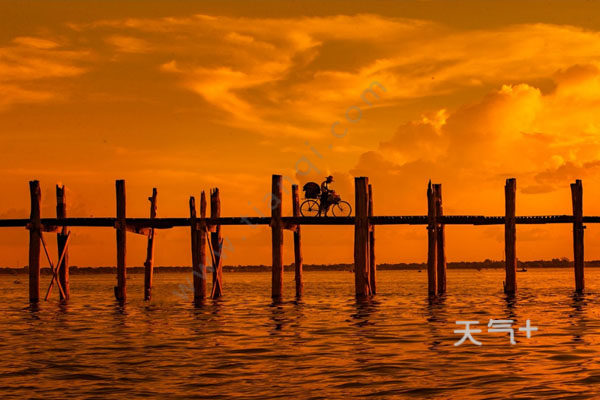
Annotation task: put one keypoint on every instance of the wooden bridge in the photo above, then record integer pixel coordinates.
(205, 231)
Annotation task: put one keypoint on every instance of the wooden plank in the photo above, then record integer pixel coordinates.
(361, 238)
(121, 289)
(441, 240)
(297, 244)
(577, 200)
(35, 234)
(217, 245)
(52, 224)
(398, 220)
(145, 231)
(149, 264)
(372, 264)
(432, 242)
(61, 240)
(510, 237)
(276, 238)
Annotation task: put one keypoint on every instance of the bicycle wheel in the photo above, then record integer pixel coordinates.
(342, 209)
(310, 208)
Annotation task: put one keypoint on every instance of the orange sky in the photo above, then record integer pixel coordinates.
(185, 96)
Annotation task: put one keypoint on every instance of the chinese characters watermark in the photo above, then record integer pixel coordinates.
(494, 326)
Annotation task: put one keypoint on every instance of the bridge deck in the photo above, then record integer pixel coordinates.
(165, 223)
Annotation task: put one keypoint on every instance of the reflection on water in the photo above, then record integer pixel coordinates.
(326, 345)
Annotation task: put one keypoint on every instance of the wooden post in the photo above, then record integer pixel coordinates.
(217, 245)
(194, 243)
(432, 242)
(121, 290)
(441, 240)
(372, 265)
(61, 240)
(276, 238)
(361, 237)
(297, 243)
(202, 238)
(149, 264)
(35, 233)
(510, 237)
(577, 198)
(198, 249)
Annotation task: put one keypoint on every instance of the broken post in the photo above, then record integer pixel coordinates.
(577, 198)
(217, 245)
(149, 264)
(432, 242)
(297, 243)
(441, 240)
(372, 265)
(35, 233)
(276, 238)
(510, 236)
(361, 237)
(61, 240)
(121, 225)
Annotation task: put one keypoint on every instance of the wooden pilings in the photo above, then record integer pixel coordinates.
(432, 250)
(35, 234)
(510, 236)
(276, 238)
(361, 237)
(198, 235)
(372, 265)
(364, 237)
(149, 264)
(121, 226)
(217, 245)
(61, 241)
(297, 243)
(577, 198)
(441, 240)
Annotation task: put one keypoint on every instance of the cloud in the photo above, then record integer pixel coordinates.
(31, 60)
(128, 44)
(35, 42)
(290, 77)
(546, 140)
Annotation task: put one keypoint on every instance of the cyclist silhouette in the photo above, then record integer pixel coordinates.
(326, 194)
(320, 200)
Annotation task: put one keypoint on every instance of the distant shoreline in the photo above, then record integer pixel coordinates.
(487, 264)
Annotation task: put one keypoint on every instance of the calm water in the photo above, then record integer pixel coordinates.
(328, 346)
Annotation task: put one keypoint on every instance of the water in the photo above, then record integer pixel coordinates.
(327, 346)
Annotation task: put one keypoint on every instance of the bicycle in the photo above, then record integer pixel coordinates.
(339, 207)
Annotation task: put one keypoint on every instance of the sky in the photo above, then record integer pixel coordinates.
(186, 96)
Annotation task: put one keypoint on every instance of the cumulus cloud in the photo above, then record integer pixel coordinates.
(546, 140)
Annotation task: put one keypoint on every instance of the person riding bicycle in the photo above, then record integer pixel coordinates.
(326, 194)
(320, 199)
